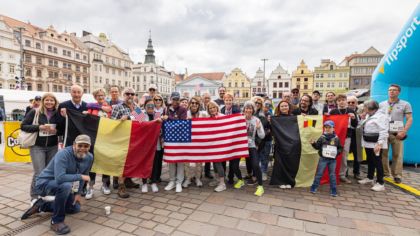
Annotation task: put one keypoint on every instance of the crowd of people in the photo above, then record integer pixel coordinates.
(55, 170)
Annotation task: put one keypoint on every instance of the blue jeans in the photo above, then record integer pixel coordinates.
(64, 199)
(322, 164)
(263, 154)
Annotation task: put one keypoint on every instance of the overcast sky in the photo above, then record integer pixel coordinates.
(207, 36)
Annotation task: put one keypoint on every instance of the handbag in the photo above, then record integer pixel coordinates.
(26, 139)
(369, 137)
(372, 137)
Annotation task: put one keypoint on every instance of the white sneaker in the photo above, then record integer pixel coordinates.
(106, 190)
(283, 186)
(155, 188)
(178, 188)
(170, 186)
(214, 183)
(365, 181)
(144, 188)
(48, 198)
(33, 201)
(186, 183)
(288, 186)
(89, 194)
(264, 177)
(220, 188)
(198, 182)
(378, 187)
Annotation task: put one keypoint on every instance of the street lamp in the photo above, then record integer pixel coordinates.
(19, 37)
(264, 60)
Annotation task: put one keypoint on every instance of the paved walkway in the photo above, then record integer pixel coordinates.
(357, 211)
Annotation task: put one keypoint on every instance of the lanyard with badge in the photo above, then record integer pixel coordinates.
(394, 125)
(329, 151)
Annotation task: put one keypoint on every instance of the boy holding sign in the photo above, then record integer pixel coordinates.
(329, 147)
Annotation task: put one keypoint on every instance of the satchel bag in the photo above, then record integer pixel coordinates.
(372, 137)
(26, 139)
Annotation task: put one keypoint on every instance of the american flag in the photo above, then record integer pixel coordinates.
(138, 114)
(205, 139)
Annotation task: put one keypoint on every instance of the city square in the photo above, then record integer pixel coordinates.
(209, 118)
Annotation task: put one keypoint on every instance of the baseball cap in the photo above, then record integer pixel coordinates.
(175, 95)
(152, 86)
(37, 98)
(83, 138)
(329, 123)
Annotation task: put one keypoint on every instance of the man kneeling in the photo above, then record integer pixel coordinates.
(69, 165)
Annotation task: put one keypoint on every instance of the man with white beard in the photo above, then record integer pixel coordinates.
(70, 165)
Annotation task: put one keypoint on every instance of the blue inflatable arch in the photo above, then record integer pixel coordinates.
(401, 65)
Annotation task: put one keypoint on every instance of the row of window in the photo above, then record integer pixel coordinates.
(331, 85)
(159, 79)
(304, 79)
(368, 59)
(11, 68)
(258, 90)
(332, 75)
(362, 70)
(55, 63)
(111, 60)
(286, 84)
(236, 84)
(97, 67)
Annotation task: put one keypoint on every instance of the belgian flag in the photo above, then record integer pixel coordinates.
(120, 148)
(295, 160)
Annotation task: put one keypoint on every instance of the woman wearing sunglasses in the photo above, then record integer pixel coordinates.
(150, 115)
(191, 171)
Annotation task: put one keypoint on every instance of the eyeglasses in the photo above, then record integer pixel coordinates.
(295, 92)
(38, 99)
(83, 145)
(152, 89)
(303, 100)
(258, 103)
(158, 100)
(351, 102)
(130, 94)
(150, 106)
(195, 103)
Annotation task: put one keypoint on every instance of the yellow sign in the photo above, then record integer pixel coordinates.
(12, 150)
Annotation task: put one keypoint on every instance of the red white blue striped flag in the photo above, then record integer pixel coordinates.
(205, 139)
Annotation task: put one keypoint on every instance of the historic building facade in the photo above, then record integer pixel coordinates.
(238, 84)
(110, 65)
(10, 55)
(279, 82)
(331, 77)
(303, 79)
(149, 73)
(258, 84)
(199, 83)
(362, 66)
(52, 61)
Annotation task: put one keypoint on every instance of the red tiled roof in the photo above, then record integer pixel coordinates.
(209, 76)
(13, 23)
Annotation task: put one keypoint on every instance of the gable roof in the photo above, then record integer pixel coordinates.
(209, 76)
(13, 23)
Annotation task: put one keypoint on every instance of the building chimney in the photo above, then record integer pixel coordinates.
(85, 33)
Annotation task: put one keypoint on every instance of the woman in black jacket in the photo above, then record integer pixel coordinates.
(46, 142)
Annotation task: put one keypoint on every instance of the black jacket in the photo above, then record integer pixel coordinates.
(235, 110)
(27, 126)
(311, 111)
(353, 122)
(69, 106)
(331, 140)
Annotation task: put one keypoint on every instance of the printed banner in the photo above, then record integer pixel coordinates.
(12, 150)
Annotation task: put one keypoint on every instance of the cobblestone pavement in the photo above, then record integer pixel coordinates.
(357, 211)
